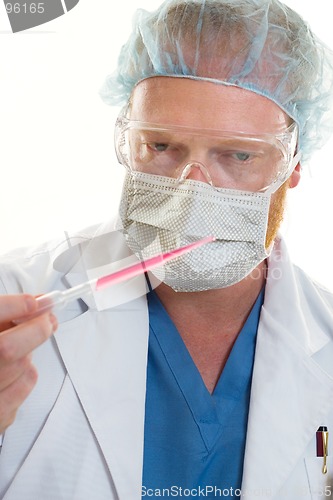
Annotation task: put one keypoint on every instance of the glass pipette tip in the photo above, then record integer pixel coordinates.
(59, 299)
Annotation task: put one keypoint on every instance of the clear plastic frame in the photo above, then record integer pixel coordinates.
(227, 159)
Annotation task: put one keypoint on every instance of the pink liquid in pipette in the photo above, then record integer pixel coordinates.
(140, 267)
(59, 298)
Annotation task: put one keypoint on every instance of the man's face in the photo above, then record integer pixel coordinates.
(206, 105)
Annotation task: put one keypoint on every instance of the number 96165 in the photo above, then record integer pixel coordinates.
(25, 8)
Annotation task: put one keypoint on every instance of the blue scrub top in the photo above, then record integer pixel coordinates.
(194, 441)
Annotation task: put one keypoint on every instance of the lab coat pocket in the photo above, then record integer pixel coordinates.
(73, 311)
(321, 485)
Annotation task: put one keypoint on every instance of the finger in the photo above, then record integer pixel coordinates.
(24, 338)
(15, 306)
(12, 397)
(13, 371)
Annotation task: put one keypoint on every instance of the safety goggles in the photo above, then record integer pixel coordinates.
(228, 160)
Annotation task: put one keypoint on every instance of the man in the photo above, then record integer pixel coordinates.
(219, 380)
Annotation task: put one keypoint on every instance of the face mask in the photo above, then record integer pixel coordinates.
(158, 214)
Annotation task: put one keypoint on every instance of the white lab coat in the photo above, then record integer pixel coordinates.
(79, 435)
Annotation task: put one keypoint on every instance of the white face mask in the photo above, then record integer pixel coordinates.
(159, 214)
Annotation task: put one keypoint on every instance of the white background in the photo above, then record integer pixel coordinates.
(58, 168)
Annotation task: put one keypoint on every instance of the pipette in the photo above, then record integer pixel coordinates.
(59, 299)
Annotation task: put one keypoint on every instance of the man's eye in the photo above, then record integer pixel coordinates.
(241, 156)
(159, 146)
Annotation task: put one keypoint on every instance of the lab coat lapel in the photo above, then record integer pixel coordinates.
(106, 362)
(283, 418)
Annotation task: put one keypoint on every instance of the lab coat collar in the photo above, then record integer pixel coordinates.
(291, 393)
(105, 354)
(97, 256)
(295, 300)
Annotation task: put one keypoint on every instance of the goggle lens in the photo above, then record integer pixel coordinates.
(236, 161)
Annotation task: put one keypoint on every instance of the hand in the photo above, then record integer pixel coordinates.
(18, 376)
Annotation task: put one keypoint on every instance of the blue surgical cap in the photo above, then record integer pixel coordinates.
(259, 45)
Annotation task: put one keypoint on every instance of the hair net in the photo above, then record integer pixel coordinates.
(259, 45)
